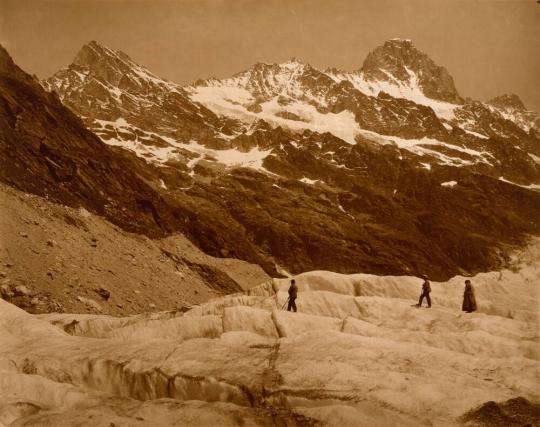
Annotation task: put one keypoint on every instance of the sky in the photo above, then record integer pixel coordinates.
(490, 47)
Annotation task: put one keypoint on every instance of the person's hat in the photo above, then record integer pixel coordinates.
(424, 276)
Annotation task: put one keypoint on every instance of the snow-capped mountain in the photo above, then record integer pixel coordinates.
(127, 105)
(295, 169)
(399, 97)
(399, 63)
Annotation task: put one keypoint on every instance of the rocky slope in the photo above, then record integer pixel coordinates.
(56, 258)
(356, 354)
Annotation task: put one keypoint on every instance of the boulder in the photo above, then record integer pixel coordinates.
(103, 293)
(21, 291)
(6, 292)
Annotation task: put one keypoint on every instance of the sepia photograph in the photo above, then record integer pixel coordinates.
(288, 213)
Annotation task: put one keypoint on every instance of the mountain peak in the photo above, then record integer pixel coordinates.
(398, 61)
(399, 41)
(293, 63)
(507, 101)
(114, 67)
(295, 60)
(102, 76)
(94, 53)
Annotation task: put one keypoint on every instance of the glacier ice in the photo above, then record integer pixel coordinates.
(357, 353)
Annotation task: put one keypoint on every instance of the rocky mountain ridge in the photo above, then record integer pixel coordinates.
(297, 97)
(320, 176)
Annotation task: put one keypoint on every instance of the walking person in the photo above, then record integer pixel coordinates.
(293, 294)
(426, 290)
(469, 300)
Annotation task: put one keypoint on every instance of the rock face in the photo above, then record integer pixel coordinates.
(512, 108)
(356, 353)
(507, 101)
(516, 412)
(399, 61)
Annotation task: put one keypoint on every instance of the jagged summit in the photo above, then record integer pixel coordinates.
(265, 80)
(125, 104)
(294, 61)
(113, 67)
(399, 61)
(507, 101)
(511, 107)
(399, 40)
(94, 52)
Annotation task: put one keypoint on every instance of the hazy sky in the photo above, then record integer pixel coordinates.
(489, 46)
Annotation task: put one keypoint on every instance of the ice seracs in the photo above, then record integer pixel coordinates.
(358, 348)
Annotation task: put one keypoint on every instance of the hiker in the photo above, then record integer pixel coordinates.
(293, 293)
(469, 301)
(426, 289)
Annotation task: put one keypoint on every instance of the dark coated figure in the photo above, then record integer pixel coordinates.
(469, 300)
(293, 294)
(426, 290)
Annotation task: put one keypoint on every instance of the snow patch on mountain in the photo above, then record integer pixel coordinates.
(398, 89)
(343, 124)
(528, 187)
(429, 147)
(140, 146)
(534, 157)
(235, 102)
(230, 157)
(309, 181)
(478, 135)
(224, 100)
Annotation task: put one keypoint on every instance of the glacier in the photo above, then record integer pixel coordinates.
(358, 353)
